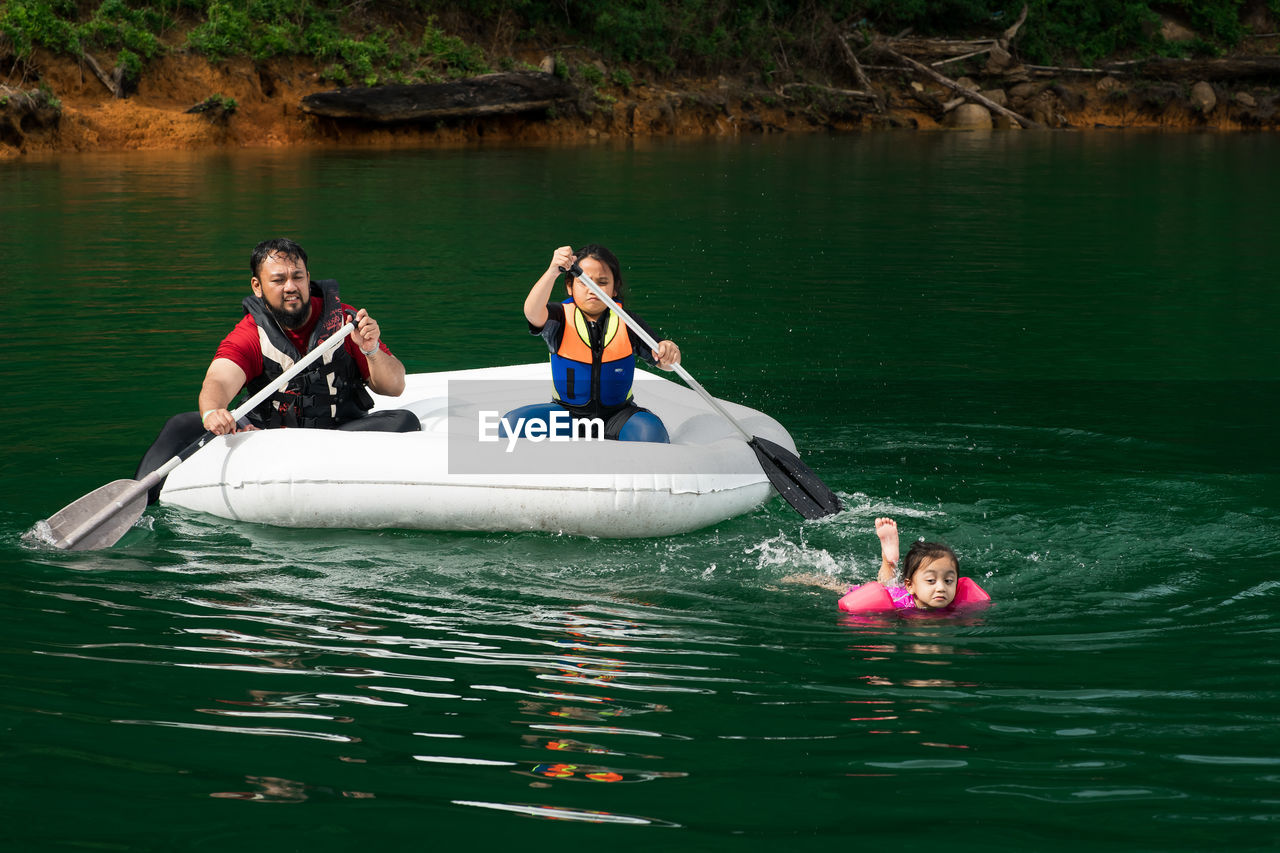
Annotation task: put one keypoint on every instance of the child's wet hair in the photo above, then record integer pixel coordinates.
(923, 551)
(610, 260)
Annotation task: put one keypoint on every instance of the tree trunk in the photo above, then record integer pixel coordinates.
(486, 95)
(960, 90)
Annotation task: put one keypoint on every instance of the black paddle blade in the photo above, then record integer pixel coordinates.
(98, 519)
(794, 480)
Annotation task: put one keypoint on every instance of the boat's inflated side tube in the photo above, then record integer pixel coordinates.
(874, 597)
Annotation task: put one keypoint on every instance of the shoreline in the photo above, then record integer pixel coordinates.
(268, 114)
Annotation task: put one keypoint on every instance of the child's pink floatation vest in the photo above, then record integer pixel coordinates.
(875, 597)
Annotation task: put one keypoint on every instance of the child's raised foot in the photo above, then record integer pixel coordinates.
(887, 530)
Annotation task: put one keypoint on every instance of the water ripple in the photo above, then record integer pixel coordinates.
(569, 814)
(243, 730)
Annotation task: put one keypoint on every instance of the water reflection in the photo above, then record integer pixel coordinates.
(887, 668)
(568, 814)
(922, 654)
(593, 663)
(576, 682)
(273, 789)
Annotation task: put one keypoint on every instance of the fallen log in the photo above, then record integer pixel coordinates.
(856, 94)
(958, 89)
(860, 75)
(504, 93)
(962, 57)
(1174, 69)
(1065, 70)
(107, 80)
(1009, 34)
(938, 48)
(1227, 68)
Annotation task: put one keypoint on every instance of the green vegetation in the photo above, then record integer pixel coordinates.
(774, 37)
(366, 55)
(401, 45)
(216, 105)
(404, 40)
(58, 26)
(622, 78)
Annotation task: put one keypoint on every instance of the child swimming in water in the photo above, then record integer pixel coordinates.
(931, 578)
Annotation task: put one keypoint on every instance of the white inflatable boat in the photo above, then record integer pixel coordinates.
(460, 473)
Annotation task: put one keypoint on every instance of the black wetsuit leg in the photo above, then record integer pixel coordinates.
(179, 431)
(389, 420)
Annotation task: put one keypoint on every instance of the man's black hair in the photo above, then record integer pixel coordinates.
(282, 246)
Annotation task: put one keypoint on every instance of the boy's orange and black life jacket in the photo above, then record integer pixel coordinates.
(593, 375)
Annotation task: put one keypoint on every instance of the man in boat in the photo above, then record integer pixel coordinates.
(285, 317)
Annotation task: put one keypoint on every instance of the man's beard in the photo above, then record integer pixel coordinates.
(290, 319)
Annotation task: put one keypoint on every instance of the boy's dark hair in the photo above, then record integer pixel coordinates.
(922, 551)
(282, 246)
(610, 260)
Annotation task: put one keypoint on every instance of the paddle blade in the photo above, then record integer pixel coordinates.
(100, 518)
(794, 480)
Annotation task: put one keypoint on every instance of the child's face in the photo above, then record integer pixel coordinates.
(934, 583)
(582, 296)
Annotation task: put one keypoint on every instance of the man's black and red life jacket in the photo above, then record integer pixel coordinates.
(328, 393)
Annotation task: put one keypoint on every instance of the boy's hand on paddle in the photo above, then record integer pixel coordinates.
(668, 354)
(562, 259)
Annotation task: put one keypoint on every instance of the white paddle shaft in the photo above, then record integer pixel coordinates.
(329, 345)
(653, 345)
(120, 503)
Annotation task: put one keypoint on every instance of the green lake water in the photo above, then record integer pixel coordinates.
(1054, 351)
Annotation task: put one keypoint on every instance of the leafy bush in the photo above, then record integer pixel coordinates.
(623, 79)
(131, 63)
(28, 23)
(295, 27)
(276, 39)
(450, 53)
(1085, 30)
(402, 39)
(44, 92)
(114, 24)
(216, 103)
(217, 108)
(225, 30)
(1218, 20)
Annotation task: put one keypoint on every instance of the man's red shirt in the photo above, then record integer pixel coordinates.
(243, 346)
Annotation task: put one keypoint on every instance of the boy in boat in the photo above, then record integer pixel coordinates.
(593, 352)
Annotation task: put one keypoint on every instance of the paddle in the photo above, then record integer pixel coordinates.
(100, 518)
(794, 480)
